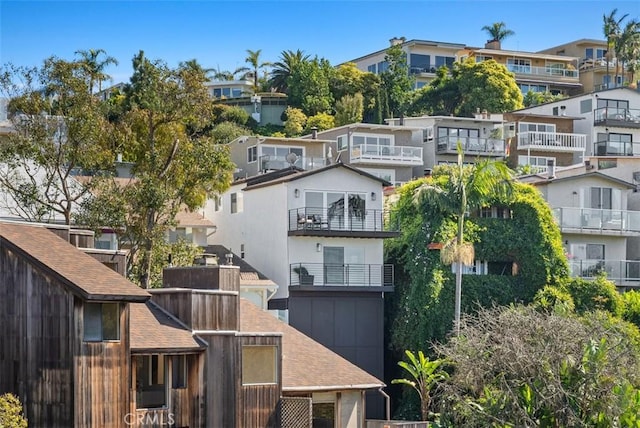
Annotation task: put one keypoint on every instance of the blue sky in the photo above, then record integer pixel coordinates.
(218, 33)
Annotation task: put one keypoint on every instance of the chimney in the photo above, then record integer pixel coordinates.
(397, 41)
(314, 133)
(551, 168)
(493, 44)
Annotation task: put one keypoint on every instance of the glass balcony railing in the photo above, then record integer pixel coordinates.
(619, 271)
(471, 145)
(343, 275)
(552, 141)
(613, 115)
(406, 155)
(614, 148)
(270, 163)
(543, 71)
(598, 220)
(353, 220)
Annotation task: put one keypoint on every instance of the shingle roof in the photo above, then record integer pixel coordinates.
(152, 329)
(186, 218)
(306, 364)
(83, 274)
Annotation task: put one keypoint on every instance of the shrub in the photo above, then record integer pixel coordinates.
(631, 307)
(11, 412)
(551, 299)
(597, 294)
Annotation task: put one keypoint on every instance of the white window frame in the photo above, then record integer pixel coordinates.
(252, 154)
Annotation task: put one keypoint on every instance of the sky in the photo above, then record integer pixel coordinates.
(218, 33)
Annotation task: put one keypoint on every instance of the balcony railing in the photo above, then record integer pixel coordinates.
(269, 163)
(619, 271)
(342, 275)
(471, 145)
(617, 116)
(598, 220)
(614, 148)
(552, 141)
(337, 220)
(403, 155)
(543, 71)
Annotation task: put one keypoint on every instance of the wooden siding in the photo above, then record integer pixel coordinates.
(223, 277)
(201, 310)
(36, 341)
(102, 375)
(115, 260)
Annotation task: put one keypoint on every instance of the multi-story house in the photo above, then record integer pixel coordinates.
(319, 235)
(536, 72)
(393, 153)
(424, 57)
(599, 69)
(82, 346)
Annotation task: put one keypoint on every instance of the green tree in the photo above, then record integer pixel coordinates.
(94, 66)
(253, 59)
(535, 98)
(176, 162)
(612, 30)
(462, 189)
(309, 87)
(58, 132)
(593, 295)
(397, 83)
(321, 121)
(425, 374)
(349, 109)
(283, 69)
(628, 46)
(295, 122)
(11, 415)
(497, 31)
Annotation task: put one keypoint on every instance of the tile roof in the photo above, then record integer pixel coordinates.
(306, 364)
(85, 275)
(153, 329)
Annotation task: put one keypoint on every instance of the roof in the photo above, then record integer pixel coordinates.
(369, 126)
(248, 274)
(295, 174)
(306, 364)
(411, 42)
(541, 179)
(152, 329)
(502, 52)
(186, 218)
(83, 274)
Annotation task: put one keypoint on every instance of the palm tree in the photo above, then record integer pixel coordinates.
(457, 191)
(628, 48)
(289, 61)
(498, 32)
(425, 374)
(253, 59)
(95, 67)
(611, 28)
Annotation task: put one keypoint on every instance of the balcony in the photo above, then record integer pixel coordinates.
(334, 223)
(598, 221)
(471, 146)
(271, 163)
(387, 155)
(548, 72)
(618, 117)
(614, 148)
(622, 272)
(552, 141)
(341, 275)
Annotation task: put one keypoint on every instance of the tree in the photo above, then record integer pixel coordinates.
(11, 414)
(320, 121)
(628, 46)
(349, 109)
(535, 98)
(295, 122)
(56, 133)
(397, 84)
(462, 189)
(309, 87)
(94, 66)
(611, 27)
(253, 59)
(425, 374)
(283, 69)
(176, 162)
(497, 31)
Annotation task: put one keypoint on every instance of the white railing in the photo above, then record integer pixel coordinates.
(553, 141)
(598, 220)
(406, 155)
(543, 71)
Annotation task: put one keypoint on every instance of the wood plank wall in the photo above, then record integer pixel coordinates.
(201, 310)
(36, 354)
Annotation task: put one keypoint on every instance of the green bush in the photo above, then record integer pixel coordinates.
(551, 299)
(631, 307)
(11, 412)
(597, 294)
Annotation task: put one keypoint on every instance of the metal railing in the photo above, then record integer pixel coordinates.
(616, 270)
(613, 148)
(327, 274)
(394, 154)
(471, 145)
(605, 114)
(552, 141)
(268, 162)
(330, 219)
(598, 220)
(543, 71)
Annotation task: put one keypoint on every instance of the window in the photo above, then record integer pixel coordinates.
(259, 365)
(585, 106)
(595, 251)
(419, 63)
(383, 66)
(275, 157)
(529, 87)
(601, 197)
(371, 141)
(178, 371)
(477, 268)
(236, 203)
(599, 53)
(519, 65)
(615, 104)
(217, 203)
(252, 154)
(536, 127)
(538, 163)
(481, 58)
(101, 322)
(371, 68)
(446, 61)
(242, 251)
(323, 414)
(342, 142)
(151, 391)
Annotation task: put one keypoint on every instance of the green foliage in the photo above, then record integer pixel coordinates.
(285, 67)
(536, 98)
(11, 415)
(425, 374)
(347, 82)
(309, 88)
(552, 299)
(631, 312)
(225, 132)
(349, 109)
(295, 122)
(270, 129)
(584, 373)
(497, 31)
(235, 115)
(322, 121)
(593, 295)
(182, 254)
(397, 83)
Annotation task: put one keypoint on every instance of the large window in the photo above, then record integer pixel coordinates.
(446, 61)
(458, 132)
(519, 65)
(536, 127)
(595, 251)
(252, 154)
(383, 66)
(601, 197)
(614, 104)
(259, 365)
(101, 322)
(276, 157)
(420, 63)
(599, 53)
(372, 140)
(151, 389)
(236, 203)
(530, 87)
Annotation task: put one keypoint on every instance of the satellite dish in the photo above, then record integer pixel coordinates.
(291, 158)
